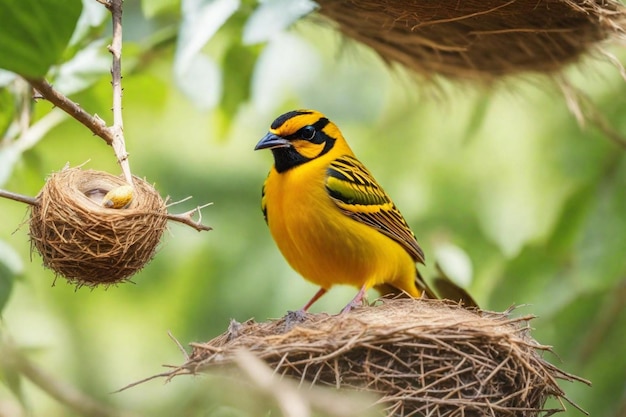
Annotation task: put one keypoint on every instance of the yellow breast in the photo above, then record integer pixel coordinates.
(324, 245)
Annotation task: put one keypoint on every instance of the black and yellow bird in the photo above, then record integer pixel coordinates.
(330, 218)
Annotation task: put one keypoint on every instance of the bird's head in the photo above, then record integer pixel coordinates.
(300, 136)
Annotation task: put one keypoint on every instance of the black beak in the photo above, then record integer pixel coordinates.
(271, 141)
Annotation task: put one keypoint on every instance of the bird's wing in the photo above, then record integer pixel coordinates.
(264, 203)
(358, 195)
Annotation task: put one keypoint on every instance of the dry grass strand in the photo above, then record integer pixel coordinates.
(480, 40)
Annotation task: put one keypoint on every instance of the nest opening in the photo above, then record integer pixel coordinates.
(420, 357)
(89, 244)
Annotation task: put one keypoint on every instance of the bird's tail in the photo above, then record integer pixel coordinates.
(449, 290)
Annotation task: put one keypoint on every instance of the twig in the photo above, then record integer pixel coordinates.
(187, 218)
(119, 145)
(180, 347)
(168, 204)
(19, 197)
(63, 392)
(141, 381)
(168, 375)
(93, 123)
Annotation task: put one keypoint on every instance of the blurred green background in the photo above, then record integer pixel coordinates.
(501, 184)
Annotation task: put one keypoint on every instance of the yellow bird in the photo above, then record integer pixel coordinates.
(329, 217)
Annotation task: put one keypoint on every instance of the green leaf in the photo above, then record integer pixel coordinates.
(35, 33)
(85, 68)
(238, 66)
(196, 74)
(273, 17)
(571, 222)
(152, 8)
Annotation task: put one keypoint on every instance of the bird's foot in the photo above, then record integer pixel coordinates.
(234, 329)
(358, 300)
(354, 304)
(293, 318)
(351, 306)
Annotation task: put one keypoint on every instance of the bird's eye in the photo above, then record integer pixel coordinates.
(307, 132)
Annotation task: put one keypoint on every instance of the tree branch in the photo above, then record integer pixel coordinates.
(119, 145)
(113, 135)
(63, 392)
(187, 218)
(19, 197)
(93, 123)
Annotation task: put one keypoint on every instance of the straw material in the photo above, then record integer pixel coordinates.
(479, 40)
(87, 243)
(421, 357)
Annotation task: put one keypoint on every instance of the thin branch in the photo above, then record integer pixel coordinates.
(63, 392)
(119, 145)
(178, 202)
(141, 381)
(19, 197)
(187, 218)
(93, 123)
(180, 347)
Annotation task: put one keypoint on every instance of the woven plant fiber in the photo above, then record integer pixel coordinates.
(479, 40)
(89, 244)
(419, 357)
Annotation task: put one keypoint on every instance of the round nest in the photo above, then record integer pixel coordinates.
(420, 357)
(87, 243)
(479, 39)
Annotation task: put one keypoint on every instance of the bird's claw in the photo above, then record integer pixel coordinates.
(293, 318)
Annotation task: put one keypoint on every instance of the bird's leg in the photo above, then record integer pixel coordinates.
(356, 301)
(295, 317)
(316, 297)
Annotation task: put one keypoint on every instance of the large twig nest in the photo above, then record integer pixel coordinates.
(87, 243)
(422, 357)
(479, 39)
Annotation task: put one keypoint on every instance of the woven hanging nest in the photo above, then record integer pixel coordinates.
(421, 357)
(87, 243)
(479, 39)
